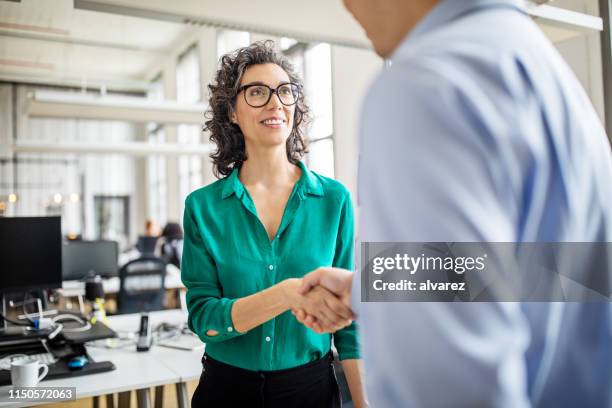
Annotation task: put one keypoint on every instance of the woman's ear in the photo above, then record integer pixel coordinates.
(233, 117)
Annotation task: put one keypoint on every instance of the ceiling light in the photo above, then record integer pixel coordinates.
(55, 104)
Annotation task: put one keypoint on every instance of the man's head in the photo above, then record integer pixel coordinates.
(387, 22)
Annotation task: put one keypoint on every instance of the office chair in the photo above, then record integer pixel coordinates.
(171, 251)
(146, 245)
(142, 285)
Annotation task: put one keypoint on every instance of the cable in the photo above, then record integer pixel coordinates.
(23, 307)
(115, 343)
(16, 323)
(86, 325)
(58, 329)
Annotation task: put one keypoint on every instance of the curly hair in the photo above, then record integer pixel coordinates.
(227, 136)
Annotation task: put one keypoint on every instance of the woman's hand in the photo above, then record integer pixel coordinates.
(337, 280)
(330, 312)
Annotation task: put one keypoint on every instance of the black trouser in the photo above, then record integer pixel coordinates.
(311, 385)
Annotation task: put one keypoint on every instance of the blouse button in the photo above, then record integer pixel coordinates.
(229, 329)
(268, 339)
(271, 267)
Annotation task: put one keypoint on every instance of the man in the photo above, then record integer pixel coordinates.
(478, 131)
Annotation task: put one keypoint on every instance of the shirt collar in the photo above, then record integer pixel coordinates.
(448, 10)
(232, 185)
(307, 184)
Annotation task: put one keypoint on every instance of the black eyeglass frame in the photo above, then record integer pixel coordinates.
(273, 91)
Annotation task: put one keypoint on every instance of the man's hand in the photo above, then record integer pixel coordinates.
(337, 281)
(330, 312)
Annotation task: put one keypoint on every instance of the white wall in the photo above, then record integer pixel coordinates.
(207, 45)
(6, 135)
(6, 124)
(352, 71)
(583, 54)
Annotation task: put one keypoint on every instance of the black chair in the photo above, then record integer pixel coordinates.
(171, 253)
(146, 245)
(142, 285)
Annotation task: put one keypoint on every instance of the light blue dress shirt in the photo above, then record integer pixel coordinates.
(479, 131)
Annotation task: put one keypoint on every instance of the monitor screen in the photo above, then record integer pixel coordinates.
(31, 253)
(83, 258)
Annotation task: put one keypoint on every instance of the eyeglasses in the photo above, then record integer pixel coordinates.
(258, 95)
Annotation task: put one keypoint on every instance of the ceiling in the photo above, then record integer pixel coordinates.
(52, 41)
(122, 43)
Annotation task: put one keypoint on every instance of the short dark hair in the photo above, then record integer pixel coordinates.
(172, 230)
(226, 135)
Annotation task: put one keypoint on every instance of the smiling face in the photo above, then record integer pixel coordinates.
(271, 124)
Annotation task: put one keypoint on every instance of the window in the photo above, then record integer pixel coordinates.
(112, 219)
(314, 64)
(188, 90)
(229, 40)
(156, 164)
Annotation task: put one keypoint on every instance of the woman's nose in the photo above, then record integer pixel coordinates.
(274, 101)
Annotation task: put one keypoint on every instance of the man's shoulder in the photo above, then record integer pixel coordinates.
(468, 54)
(461, 78)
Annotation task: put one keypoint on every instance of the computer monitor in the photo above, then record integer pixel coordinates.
(82, 257)
(30, 253)
(146, 245)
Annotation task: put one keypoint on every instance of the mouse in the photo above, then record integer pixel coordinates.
(78, 362)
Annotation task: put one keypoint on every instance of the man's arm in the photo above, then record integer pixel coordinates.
(440, 163)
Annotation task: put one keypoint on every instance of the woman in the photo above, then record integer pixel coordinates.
(251, 236)
(172, 243)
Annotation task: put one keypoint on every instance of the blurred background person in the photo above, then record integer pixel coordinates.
(171, 248)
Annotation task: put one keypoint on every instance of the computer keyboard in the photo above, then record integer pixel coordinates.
(44, 358)
(60, 370)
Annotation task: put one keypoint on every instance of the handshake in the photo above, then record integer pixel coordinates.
(321, 299)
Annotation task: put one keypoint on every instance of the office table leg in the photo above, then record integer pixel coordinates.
(183, 299)
(143, 397)
(110, 400)
(124, 399)
(182, 396)
(159, 396)
(96, 402)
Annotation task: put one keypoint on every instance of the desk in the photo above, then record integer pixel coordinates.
(185, 362)
(111, 285)
(135, 371)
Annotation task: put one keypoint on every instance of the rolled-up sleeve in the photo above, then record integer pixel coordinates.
(208, 309)
(347, 339)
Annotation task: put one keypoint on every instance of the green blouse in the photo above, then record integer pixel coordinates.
(227, 255)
